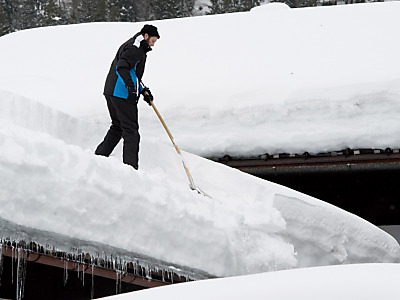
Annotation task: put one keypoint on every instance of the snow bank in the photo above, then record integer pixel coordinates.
(50, 180)
(330, 240)
(367, 282)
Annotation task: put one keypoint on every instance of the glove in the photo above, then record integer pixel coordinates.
(147, 96)
(131, 93)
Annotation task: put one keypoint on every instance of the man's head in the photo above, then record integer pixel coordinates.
(150, 34)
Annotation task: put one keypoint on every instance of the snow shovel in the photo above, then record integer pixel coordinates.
(189, 176)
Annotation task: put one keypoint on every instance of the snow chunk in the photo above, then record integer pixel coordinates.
(275, 6)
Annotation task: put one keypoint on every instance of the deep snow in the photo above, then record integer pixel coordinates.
(366, 282)
(218, 93)
(52, 181)
(271, 80)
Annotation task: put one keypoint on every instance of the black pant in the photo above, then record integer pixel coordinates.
(124, 123)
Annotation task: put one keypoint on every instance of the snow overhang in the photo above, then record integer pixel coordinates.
(56, 250)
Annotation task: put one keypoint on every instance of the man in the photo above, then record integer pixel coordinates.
(122, 90)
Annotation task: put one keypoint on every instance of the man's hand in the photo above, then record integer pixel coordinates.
(131, 93)
(147, 96)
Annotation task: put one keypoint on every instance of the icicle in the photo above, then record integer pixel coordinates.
(143, 271)
(1, 262)
(118, 267)
(65, 270)
(148, 273)
(18, 275)
(125, 269)
(24, 277)
(121, 273)
(21, 273)
(116, 282)
(92, 292)
(83, 275)
(120, 283)
(83, 270)
(12, 264)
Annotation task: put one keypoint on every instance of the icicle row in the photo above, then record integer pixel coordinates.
(81, 263)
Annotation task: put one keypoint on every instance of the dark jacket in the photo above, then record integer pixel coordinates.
(127, 67)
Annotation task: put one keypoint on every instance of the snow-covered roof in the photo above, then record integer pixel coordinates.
(289, 80)
(80, 255)
(268, 81)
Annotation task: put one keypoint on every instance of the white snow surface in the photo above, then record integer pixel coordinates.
(267, 81)
(367, 282)
(226, 90)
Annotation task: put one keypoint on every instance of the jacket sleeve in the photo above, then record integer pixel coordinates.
(127, 61)
(140, 68)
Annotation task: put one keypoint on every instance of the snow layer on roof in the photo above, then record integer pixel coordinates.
(290, 80)
(51, 180)
(294, 80)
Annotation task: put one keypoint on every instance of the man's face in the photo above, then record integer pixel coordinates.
(151, 40)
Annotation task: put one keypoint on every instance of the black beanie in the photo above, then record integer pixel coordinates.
(150, 30)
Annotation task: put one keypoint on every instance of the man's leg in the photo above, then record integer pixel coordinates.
(128, 115)
(113, 135)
